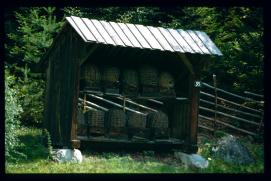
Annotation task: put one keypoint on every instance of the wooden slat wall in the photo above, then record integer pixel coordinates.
(179, 117)
(62, 89)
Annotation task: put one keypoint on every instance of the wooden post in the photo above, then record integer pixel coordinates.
(124, 103)
(84, 103)
(215, 116)
(75, 143)
(194, 97)
(260, 125)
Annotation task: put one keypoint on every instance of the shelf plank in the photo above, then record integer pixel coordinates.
(105, 139)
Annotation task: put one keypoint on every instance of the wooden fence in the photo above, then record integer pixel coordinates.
(223, 110)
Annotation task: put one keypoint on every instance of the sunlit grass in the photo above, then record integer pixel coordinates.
(144, 162)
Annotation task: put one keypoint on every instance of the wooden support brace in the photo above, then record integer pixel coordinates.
(187, 63)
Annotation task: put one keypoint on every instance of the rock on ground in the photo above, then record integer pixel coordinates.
(192, 160)
(231, 150)
(67, 155)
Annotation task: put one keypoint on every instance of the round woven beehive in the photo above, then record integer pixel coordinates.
(130, 81)
(116, 118)
(157, 120)
(95, 118)
(81, 130)
(110, 76)
(166, 84)
(148, 76)
(90, 75)
(135, 120)
(166, 81)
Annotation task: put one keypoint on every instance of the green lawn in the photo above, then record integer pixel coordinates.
(143, 162)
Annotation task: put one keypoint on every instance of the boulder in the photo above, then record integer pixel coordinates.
(231, 150)
(192, 160)
(67, 155)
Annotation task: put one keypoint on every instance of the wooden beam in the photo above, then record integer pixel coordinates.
(194, 97)
(94, 105)
(236, 104)
(231, 126)
(155, 101)
(89, 52)
(230, 116)
(88, 107)
(115, 104)
(139, 105)
(230, 109)
(206, 127)
(74, 53)
(186, 62)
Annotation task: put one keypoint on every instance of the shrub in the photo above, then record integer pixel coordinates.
(12, 115)
(31, 95)
(47, 142)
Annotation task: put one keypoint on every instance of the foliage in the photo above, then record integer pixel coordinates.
(12, 115)
(32, 144)
(34, 33)
(31, 96)
(219, 166)
(238, 32)
(48, 142)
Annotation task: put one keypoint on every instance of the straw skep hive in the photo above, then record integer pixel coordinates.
(130, 82)
(90, 77)
(166, 84)
(148, 80)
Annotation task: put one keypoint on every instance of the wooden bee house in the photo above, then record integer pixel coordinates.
(94, 67)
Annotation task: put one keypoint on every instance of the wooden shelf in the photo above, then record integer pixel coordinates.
(110, 140)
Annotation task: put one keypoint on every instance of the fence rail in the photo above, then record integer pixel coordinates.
(217, 109)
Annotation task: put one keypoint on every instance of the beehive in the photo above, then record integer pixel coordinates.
(95, 118)
(136, 124)
(158, 123)
(149, 80)
(81, 126)
(158, 120)
(135, 120)
(130, 82)
(116, 118)
(110, 78)
(90, 77)
(166, 84)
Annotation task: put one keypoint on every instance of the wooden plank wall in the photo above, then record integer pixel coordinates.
(62, 89)
(179, 117)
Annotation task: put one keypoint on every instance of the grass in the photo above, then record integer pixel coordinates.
(103, 162)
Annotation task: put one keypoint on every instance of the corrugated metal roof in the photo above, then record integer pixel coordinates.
(139, 36)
